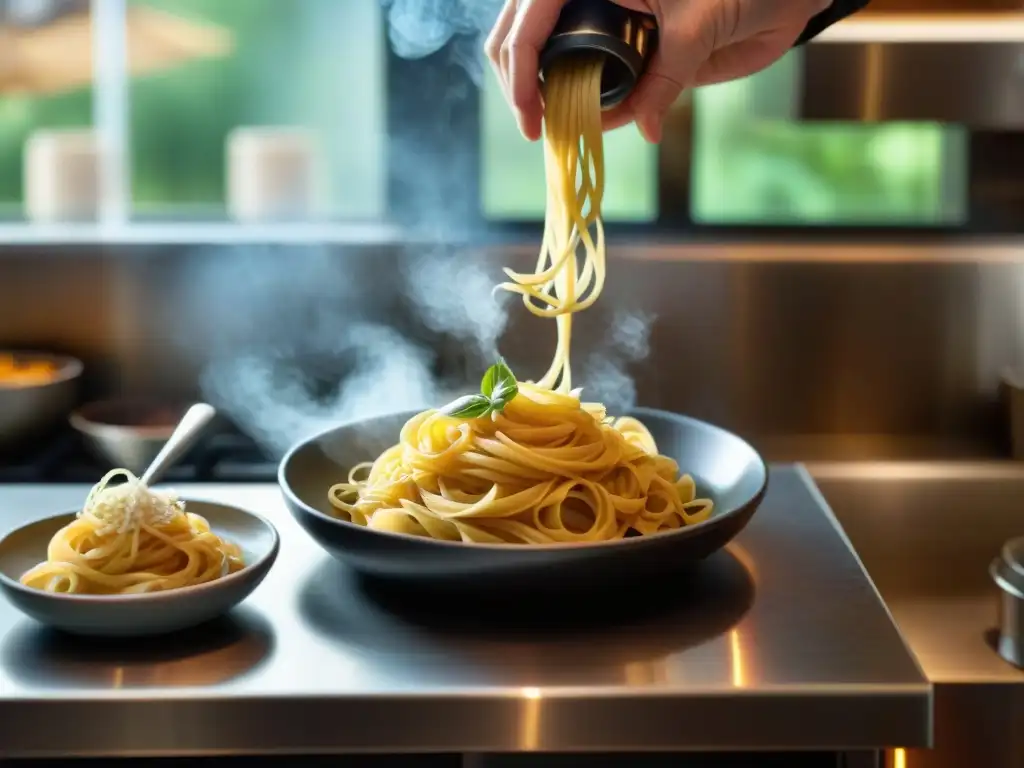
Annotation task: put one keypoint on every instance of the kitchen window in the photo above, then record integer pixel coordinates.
(21, 117)
(428, 142)
(753, 164)
(750, 164)
(313, 67)
(306, 76)
(39, 98)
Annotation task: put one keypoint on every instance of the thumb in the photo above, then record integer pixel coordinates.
(654, 96)
(657, 90)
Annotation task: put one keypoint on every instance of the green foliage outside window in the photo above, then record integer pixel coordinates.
(753, 166)
(319, 64)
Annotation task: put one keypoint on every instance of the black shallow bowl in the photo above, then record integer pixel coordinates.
(725, 467)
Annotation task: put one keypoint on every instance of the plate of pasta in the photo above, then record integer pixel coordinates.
(526, 478)
(522, 497)
(135, 561)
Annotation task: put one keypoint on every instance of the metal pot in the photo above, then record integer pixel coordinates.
(127, 433)
(1007, 572)
(28, 410)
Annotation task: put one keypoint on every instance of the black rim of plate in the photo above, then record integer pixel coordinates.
(680, 533)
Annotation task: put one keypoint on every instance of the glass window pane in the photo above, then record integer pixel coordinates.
(313, 68)
(36, 95)
(513, 168)
(752, 165)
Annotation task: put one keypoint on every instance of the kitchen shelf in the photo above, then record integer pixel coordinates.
(998, 27)
(368, 233)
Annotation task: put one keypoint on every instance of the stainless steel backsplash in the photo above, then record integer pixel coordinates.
(865, 347)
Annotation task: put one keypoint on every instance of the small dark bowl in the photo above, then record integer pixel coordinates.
(146, 614)
(725, 467)
(127, 433)
(31, 411)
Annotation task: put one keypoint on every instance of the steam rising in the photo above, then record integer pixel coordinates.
(271, 398)
(419, 28)
(456, 299)
(291, 345)
(606, 376)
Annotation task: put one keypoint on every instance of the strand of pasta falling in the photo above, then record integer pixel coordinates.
(574, 170)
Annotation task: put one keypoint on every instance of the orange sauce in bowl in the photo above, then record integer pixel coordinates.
(25, 371)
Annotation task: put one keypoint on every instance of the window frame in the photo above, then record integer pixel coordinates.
(449, 130)
(412, 82)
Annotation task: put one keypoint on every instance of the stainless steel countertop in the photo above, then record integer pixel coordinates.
(926, 532)
(782, 643)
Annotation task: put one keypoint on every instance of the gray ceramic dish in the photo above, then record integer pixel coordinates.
(147, 614)
(725, 467)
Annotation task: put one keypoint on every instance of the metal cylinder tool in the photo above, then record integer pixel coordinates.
(626, 38)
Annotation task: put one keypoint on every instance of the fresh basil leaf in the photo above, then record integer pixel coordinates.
(501, 396)
(505, 374)
(510, 391)
(497, 388)
(468, 407)
(499, 383)
(489, 381)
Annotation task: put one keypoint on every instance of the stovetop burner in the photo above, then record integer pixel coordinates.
(223, 457)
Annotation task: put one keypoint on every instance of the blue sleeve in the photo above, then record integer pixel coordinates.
(838, 11)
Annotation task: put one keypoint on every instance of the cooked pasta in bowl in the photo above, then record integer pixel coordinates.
(129, 539)
(546, 469)
(135, 560)
(534, 545)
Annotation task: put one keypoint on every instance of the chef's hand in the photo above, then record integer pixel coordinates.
(701, 42)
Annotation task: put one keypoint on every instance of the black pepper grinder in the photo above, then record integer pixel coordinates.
(626, 38)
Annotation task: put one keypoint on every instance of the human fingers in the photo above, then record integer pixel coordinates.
(623, 114)
(657, 93)
(534, 21)
(711, 41)
(616, 117)
(686, 40)
(493, 46)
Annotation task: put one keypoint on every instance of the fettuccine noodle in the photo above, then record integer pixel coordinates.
(546, 468)
(130, 539)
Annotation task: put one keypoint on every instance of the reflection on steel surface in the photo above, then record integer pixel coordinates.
(530, 734)
(980, 85)
(926, 533)
(542, 645)
(40, 658)
(612, 673)
(739, 674)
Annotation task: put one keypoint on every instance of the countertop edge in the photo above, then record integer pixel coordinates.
(580, 724)
(806, 476)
